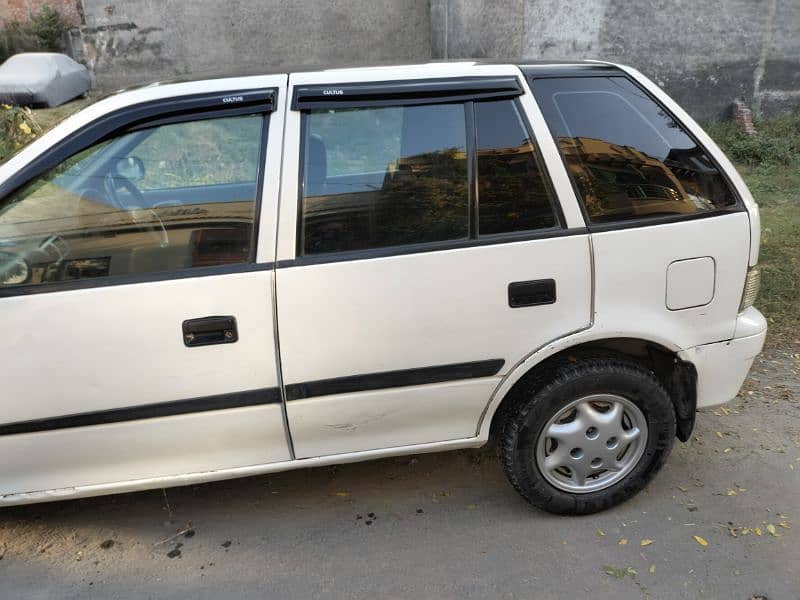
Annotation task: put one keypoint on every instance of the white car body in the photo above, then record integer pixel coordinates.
(107, 350)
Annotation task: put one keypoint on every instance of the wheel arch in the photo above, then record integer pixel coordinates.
(659, 356)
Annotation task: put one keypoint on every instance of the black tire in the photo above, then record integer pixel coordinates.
(525, 419)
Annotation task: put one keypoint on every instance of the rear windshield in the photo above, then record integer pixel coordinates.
(627, 156)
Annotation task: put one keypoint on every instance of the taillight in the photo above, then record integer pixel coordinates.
(752, 283)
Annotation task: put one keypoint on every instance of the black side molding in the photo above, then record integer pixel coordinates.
(339, 385)
(386, 93)
(147, 411)
(393, 379)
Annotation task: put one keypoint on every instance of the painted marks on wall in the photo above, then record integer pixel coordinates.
(124, 44)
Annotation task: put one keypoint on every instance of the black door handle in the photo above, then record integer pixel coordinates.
(210, 330)
(531, 293)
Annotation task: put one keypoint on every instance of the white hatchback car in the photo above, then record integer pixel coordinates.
(207, 280)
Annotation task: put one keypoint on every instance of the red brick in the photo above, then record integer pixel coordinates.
(22, 10)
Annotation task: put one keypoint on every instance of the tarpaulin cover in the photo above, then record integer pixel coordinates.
(42, 79)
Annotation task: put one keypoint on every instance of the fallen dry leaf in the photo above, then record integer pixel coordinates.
(646, 542)
(618, 573)
(700, 540)
(652, 569)
(623, 542)
(772, 531)
(600, 532)
(785, 525)
(758, 531)
(343, 494)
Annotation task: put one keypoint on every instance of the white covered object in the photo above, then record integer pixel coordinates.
(42, 79)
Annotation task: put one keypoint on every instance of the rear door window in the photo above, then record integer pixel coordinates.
(513, 194)
(384, 176)
(628, 157)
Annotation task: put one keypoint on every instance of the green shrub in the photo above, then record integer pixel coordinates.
(47, 27)
(43, 33)
(17, 128)
(777, 141)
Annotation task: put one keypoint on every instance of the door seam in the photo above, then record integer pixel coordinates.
(274, 284)
(553, 341)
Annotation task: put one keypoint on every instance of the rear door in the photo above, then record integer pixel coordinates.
(422, 254)
(137, 294)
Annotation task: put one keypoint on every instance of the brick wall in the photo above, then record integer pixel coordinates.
(21, 10)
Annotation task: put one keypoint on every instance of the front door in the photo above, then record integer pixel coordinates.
(427, 257)
(136, 300)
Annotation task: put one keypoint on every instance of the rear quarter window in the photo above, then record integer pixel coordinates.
(628, 157)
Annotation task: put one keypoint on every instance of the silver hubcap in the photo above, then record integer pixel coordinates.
(592, 443)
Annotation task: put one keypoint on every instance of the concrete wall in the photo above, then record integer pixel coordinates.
(133, 41)
(704, 52)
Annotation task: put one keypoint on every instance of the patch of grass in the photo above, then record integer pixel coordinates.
(773, 184)
(19, 126)
(47, 118)
(776, 143)
(770, 164)
(780, 266)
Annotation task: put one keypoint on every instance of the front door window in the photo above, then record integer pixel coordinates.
(167, 198)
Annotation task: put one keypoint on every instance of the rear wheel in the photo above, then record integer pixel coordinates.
(588, 436)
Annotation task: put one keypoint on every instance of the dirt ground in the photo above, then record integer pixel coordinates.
(722, 520)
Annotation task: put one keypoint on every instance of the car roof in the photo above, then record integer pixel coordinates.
(253, 71)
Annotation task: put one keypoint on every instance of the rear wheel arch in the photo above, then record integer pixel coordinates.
(678, 377)
(593, 436)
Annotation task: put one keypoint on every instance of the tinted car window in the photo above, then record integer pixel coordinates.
(512, 194)
(375, 145)
(628, 157)
(212, 151)
(377, 177)
(102, 213)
